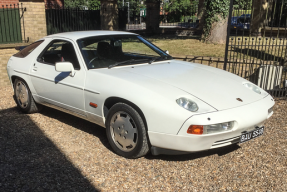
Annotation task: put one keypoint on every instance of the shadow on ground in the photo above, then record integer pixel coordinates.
(259, 54)
(191, 156)
(78, 123)
(29, 161)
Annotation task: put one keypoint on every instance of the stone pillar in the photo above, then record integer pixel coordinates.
(152, 16)
(109, 15)
(34, 20)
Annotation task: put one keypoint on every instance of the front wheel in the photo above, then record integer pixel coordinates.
(126, 131)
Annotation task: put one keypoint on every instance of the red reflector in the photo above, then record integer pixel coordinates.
(93, 105)
(195, 129)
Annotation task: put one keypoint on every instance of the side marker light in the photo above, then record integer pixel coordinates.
(93, 105)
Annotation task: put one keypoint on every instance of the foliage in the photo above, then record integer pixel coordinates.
(135, 6)
(90, 4)
(215, 10)
(94, 4)
(178, 9)
(242, 4)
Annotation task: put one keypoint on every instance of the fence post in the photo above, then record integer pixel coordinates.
(228, 34)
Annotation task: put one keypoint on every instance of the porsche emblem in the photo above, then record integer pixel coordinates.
(238, 99)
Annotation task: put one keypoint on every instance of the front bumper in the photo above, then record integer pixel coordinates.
(246, 118)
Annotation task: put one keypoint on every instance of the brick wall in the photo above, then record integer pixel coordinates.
(8, 2)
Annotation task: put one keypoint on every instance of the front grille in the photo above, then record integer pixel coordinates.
(225, 142)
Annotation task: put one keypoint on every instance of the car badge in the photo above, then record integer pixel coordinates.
(238, 99)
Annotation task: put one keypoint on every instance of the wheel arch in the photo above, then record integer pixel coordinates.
(14, 77)
(109, 102)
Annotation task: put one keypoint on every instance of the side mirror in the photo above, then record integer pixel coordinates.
(166, 51)
(65, 67)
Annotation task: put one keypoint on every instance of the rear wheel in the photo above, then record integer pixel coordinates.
(126, 131)
(23, 97)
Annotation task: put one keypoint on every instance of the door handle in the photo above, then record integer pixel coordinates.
(34, 67)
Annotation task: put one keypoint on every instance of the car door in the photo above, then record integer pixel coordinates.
(59, 89)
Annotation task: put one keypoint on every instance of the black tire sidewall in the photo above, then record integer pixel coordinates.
(140, 128)
(27, 109)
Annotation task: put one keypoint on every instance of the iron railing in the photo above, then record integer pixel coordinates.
(12, 28)
(256, 44)
(64, 19)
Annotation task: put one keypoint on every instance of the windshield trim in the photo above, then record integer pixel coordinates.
(133, 65)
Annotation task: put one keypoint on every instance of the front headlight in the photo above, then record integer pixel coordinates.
(187, 104)
(220, 127)
(253, 87)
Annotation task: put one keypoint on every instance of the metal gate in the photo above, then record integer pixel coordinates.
(12, 28)
(64, 19)
(257, 42)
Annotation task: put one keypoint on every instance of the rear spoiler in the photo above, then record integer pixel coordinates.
(19, 48)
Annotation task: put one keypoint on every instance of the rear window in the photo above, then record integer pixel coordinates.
(27, 50)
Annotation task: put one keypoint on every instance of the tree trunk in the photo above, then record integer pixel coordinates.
(152, 16)
(218, 31)
(260, 9)
(200, 14)
(109, 15)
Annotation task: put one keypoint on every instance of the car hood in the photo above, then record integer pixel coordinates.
(216, 87)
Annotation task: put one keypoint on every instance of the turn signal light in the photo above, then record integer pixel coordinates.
(195, 129)
(93, 105)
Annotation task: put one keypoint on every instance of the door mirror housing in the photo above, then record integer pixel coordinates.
(166, 51)
(65, 67)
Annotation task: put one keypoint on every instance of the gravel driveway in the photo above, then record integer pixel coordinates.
(54, 151)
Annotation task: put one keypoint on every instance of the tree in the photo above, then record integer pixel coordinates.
(134, 6)
(200, 14)
(216, 17)
(177, 9)
(90, 4)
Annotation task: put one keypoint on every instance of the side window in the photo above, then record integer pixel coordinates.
(98, 53)
(58, 51)
(27, 50)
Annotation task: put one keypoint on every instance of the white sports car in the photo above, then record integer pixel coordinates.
(146, 100)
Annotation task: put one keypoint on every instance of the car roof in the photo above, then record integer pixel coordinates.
(82, 34)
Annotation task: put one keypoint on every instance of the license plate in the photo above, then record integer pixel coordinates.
(251, 134)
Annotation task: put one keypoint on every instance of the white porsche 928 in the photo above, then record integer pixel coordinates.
(146, 100)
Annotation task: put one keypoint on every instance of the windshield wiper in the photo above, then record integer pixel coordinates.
(154, 59)
(127, 61)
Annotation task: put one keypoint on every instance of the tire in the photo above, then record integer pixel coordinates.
(23, 97)
(126, 131)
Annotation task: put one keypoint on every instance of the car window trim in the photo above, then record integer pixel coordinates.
(20, 51)
(46, 48)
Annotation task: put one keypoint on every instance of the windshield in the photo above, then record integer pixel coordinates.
(113, 50)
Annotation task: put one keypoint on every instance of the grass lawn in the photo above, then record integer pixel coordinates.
(181, 46)
(247, 48)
